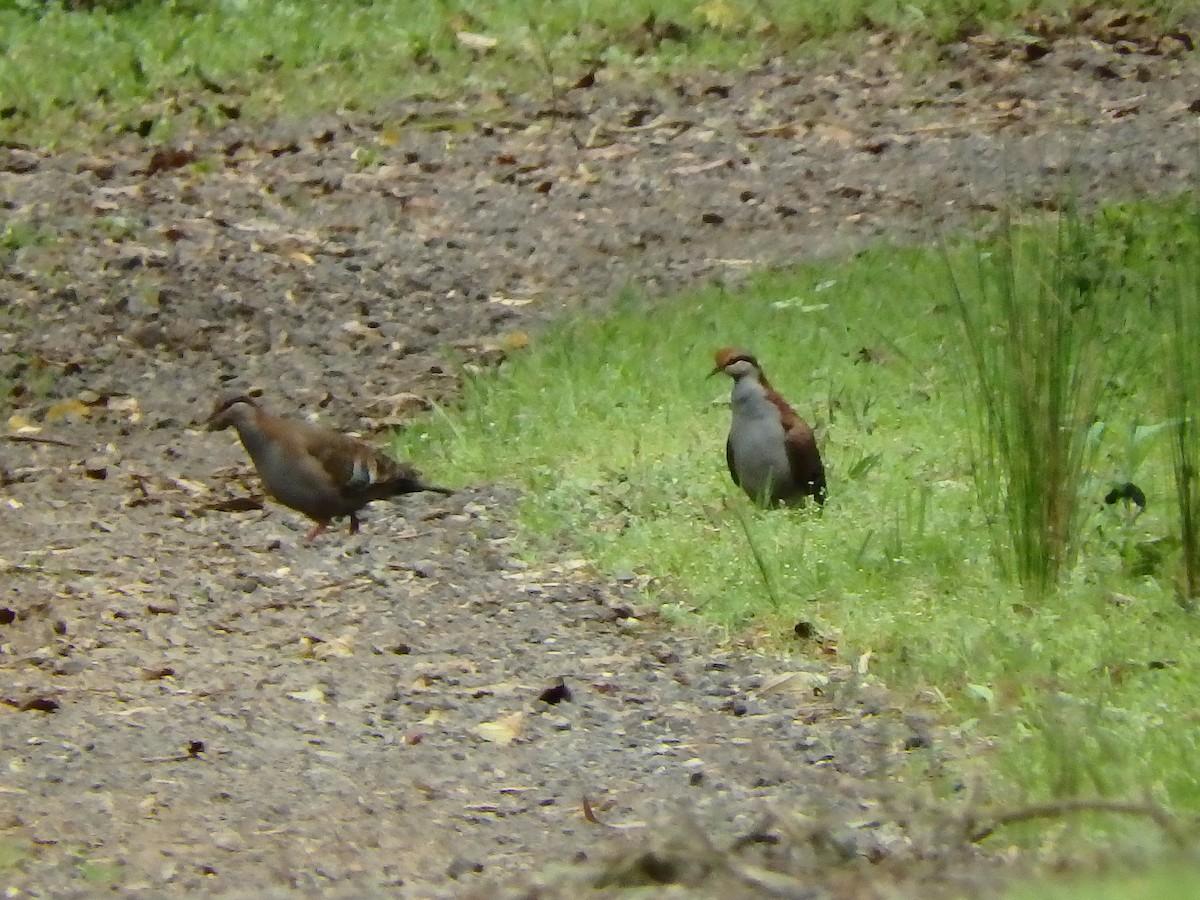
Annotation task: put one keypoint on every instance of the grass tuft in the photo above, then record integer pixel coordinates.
(1182, 353)
(1035, 315)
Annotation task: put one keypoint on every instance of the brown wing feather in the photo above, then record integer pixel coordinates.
(355, 467)
(805, 460)
(359, 470)
(801, 446)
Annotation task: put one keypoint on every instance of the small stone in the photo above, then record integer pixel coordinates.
(228, 840)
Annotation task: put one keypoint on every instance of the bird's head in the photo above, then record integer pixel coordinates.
(735, 362)
(231, 412)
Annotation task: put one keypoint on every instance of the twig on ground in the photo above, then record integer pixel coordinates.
(977, 832)
(30, 439)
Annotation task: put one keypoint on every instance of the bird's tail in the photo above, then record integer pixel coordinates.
(410, 484)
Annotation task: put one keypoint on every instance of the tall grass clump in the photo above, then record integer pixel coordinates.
(1182, 363)
(1035, 314)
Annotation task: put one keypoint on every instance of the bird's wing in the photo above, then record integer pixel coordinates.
(802, 452)
(801, 445)
(352, 465)
(729, 461)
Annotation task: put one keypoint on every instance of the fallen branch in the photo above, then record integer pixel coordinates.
(1056, 808)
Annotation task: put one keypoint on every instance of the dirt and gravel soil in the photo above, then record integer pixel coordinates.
(194, 701)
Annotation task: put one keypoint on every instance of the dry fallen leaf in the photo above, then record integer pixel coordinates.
(18, 424)
(589, 814)
(503, 731)
(340, 646)
(481, 43)
(397, 406)
(71, 409)
(312, 695)
(793, 682)
(127, 405)
(843, 137)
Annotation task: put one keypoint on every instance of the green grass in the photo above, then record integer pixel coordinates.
(1173, 881)
(617, 436)
(155, 69)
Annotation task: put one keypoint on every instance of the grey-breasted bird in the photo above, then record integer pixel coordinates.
(321, 473)
(771, 452)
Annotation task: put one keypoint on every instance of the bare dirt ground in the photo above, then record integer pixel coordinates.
(195, 702)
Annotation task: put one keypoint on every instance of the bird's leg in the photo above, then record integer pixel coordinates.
(353, 523)
(316, 530)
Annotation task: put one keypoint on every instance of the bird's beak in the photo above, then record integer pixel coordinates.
(715, 370)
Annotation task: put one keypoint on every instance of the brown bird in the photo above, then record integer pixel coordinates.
(771, 452)
(321, 473)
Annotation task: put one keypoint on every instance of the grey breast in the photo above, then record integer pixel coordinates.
(756, 442)
(295, 481)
